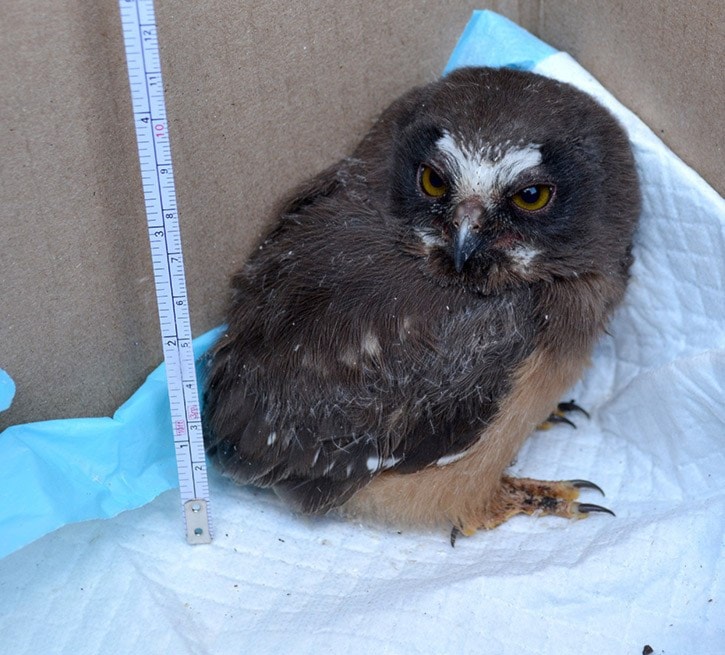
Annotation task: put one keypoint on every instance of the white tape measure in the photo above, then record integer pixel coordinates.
(154, 151)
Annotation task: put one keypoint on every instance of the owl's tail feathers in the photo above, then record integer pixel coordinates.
(317, 495)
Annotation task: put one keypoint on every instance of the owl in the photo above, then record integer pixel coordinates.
(419, 308)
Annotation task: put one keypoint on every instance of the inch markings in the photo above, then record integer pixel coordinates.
(157, 177)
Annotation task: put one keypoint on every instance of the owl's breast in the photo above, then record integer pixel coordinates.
(457, 376)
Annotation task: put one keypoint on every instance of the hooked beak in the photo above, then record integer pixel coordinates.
(467, 221)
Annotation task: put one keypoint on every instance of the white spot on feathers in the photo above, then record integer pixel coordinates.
(430, 238)
(390, 462)
(405, 328)
(348, 358)
(374, 463)
(271, 438)
(449, 459)
(522, 256)
(371, 345)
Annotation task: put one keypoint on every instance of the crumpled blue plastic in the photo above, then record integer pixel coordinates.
(68, 470)
(58, 472)
(7, 390)
(492, 40)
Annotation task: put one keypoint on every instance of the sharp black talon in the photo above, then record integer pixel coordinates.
(555, 418)
(454, 535)
(571, 406)
(587, 507)
(585, 484)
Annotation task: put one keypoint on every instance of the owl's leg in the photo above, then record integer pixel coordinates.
(527, 496)
(559, 415)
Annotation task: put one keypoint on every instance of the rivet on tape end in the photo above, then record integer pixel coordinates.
(197, 522)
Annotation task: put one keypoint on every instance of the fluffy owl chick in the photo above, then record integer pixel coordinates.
(421, 306)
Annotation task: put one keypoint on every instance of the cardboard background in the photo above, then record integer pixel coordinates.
(259, 96)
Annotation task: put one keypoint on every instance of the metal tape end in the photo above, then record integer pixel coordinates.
(197, 522)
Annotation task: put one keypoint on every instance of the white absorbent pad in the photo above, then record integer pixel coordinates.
(275, 582)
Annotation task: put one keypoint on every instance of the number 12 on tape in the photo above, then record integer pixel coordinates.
(154, 150)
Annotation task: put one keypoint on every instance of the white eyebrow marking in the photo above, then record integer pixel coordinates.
(485, 171)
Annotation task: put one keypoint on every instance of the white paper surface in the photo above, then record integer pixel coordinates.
(273, 582)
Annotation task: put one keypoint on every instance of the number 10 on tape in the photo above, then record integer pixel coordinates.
(154, 150)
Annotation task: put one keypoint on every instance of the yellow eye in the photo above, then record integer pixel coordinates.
(533, 197)
(431, 183)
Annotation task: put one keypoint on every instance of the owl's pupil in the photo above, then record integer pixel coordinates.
(434, 179)
(530, 194)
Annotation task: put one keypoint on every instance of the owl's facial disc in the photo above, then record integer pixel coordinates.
(481, 180)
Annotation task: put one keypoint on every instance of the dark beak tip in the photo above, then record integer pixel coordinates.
(459, 262)
(465, 244)
(467, 238)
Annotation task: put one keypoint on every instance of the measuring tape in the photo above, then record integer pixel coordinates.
(154, 151)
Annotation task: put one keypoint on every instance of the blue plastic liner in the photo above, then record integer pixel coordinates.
(492, 40)
(58, 472)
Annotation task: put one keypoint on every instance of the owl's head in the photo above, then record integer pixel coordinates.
(502, 177)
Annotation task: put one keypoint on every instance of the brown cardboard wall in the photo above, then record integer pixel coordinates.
(259, 96)
(663, 59)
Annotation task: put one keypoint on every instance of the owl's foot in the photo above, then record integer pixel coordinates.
(527, 496)
(559, 415)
